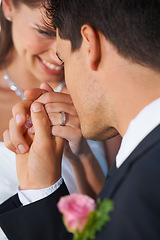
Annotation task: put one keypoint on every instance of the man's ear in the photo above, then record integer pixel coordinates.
(7, 6)
(92, 42)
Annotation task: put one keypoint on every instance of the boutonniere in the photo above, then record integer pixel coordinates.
(82, 216)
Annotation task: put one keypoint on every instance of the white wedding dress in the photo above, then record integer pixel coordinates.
(9, 181)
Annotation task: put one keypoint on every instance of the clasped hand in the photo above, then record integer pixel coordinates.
(39, 147)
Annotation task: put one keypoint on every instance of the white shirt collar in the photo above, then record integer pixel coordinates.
(138, 129)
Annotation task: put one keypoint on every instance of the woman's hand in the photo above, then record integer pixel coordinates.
(55, 104)
(76, 148)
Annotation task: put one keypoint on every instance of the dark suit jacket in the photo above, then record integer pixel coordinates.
(134, 189)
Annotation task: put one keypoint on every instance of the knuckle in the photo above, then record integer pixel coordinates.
(50, 107)
(15, 109)
(7, 140)
(48, 96)
(54, 118)
(11, 122)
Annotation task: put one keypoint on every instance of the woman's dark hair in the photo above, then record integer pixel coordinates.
(132, 26)
(6, 43)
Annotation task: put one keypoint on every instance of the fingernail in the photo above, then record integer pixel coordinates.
(19, 118)
(37, 107)
(41, 86)
(31, 130)
(22, 148)
(28, 123)
(17, 151)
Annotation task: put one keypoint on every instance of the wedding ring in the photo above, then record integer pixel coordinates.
(63, 119)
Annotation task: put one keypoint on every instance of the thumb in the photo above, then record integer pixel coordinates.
(42, 129)
(40, 121)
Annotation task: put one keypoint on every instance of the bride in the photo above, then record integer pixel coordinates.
(27, 59)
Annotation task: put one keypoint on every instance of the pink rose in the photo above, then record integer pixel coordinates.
(76, 209)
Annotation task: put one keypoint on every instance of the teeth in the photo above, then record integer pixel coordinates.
(51, 66)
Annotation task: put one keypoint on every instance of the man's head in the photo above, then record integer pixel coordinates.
(97, 39)
(133, 26)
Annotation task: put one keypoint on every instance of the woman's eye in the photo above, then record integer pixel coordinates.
(47, 33)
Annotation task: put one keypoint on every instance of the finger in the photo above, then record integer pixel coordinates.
(40, 121)
(66, 132)
(33, 94)
(17, 137)
(57, 119)
(60, 107)
(46, 86)
(54, 97)
(31, 130)
(7, 141)
(28, 123)
(21, 111)
(41, 126)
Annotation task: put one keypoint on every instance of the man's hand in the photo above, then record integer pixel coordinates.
(40, 167)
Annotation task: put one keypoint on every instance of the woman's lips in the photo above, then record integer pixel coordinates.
(50, 67)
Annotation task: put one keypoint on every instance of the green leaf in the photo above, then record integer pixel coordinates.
(97, 219)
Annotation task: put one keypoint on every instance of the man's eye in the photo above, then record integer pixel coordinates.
(47, 33)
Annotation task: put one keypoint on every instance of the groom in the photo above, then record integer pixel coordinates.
(111, 54)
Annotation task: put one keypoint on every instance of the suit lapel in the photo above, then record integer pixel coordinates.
(116, 176)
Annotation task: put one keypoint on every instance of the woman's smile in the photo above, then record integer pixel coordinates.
(50, 67)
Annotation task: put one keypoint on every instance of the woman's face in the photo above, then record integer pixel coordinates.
(35, 43)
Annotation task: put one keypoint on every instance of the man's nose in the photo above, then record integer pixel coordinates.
(52, 52)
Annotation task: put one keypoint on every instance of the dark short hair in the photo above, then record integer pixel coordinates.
(6, 43)
(132, 26)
